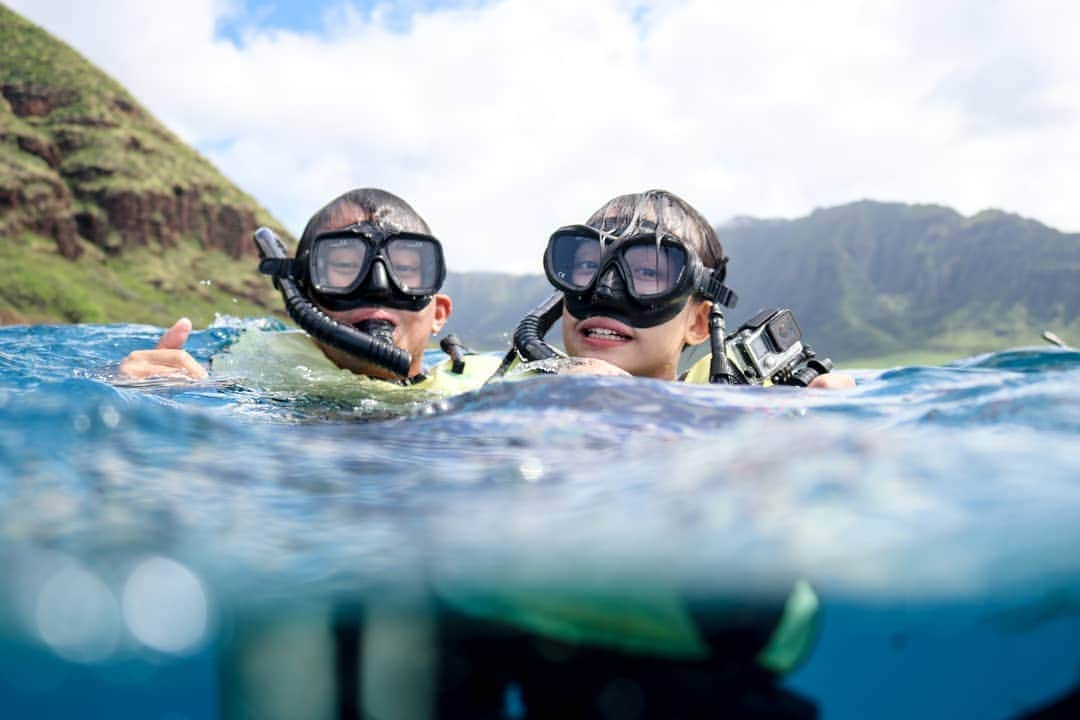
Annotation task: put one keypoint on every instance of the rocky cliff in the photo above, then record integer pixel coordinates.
(84, 165)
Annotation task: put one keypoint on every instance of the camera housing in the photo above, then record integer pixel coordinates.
(768, 346)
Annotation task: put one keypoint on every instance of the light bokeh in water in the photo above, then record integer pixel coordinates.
(134, 518)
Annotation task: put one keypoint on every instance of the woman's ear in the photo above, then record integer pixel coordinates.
(697, 329)
(443, 307)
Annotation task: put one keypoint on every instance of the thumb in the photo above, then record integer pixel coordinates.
(175, 337)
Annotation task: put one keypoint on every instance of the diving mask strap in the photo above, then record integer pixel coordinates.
(717, 291)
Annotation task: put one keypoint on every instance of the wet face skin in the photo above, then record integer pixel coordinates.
(411, 329)
(645, 352)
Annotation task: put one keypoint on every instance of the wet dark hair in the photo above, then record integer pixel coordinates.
(663, 211)
(388, 212)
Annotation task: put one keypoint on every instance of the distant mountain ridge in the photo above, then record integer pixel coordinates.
(872, 278)
(865, 280)
(105, 216)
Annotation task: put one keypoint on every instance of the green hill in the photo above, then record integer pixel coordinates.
(488, 306)
(104, 214)
(876, 279)
(868, 281)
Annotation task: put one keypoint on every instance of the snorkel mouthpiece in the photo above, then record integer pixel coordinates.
(381, 330)
(375, 347)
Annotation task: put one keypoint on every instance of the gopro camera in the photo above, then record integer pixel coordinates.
(769, 346)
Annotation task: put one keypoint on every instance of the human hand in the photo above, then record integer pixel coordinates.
(168, 358)
(832, 381)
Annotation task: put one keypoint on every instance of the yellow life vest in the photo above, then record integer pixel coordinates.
(442, 380)
(290, 362)
(649, 620)
(699, 371)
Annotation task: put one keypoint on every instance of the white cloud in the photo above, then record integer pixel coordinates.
(499, 122)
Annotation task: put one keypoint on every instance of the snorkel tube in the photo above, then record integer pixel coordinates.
(317, 323)
(529, 344)
(720, 370)
(530, 332)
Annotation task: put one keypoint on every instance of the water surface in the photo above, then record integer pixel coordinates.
(936, 510)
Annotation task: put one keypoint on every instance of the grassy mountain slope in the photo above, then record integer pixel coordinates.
(868, 282)
(871, 279)
(105, 216)
(104, 213)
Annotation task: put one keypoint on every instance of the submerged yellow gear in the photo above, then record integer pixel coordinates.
(645, 619)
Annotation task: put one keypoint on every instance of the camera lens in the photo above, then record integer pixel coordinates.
(784, 331)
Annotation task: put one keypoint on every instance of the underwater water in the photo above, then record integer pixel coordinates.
(161, 543)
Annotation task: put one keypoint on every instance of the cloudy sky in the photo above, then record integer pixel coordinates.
(499, 121)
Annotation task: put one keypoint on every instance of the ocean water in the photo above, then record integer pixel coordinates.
(185, 550)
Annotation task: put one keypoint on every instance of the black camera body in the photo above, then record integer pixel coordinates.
(769, 346)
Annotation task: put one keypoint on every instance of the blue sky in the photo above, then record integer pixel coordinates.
(307, 17)
(501, 120)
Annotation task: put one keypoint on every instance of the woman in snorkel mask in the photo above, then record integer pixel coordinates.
(639, 281)
(629, 276)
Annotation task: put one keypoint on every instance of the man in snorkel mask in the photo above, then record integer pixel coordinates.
(370, 263)
(366, 267)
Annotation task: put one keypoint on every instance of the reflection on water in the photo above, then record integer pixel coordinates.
(259, 542)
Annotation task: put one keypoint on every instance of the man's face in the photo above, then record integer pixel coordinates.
(411, 329)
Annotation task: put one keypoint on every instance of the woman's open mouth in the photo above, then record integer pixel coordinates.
(605, 331)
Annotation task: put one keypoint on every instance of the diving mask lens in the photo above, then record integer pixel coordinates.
(415, 263)
(573, 259)
(340, 263)
(652, 269)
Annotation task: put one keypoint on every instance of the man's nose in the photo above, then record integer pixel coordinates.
(378, 282)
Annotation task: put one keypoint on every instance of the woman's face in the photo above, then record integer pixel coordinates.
(645, 352)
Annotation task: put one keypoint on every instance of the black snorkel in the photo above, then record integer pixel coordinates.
(374, 348)
(720, 370)
(529, 344)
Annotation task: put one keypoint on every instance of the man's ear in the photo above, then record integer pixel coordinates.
(697, 330)
(443, 307)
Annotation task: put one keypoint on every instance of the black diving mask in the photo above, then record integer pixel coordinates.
(644, 280)
(362, 266)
